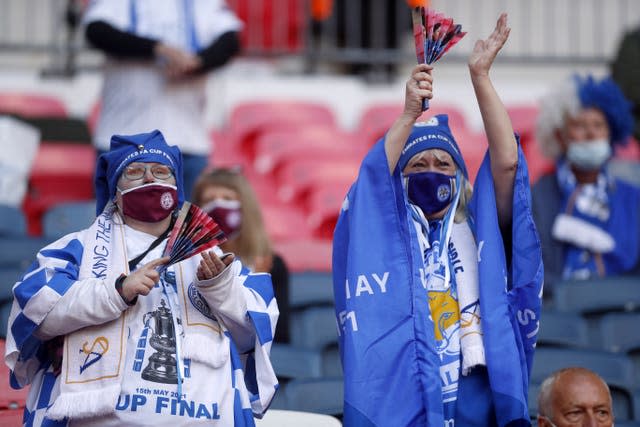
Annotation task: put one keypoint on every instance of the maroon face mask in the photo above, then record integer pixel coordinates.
(227, 214)
(150, 202)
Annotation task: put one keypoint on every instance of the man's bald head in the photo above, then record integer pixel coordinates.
(574, 396)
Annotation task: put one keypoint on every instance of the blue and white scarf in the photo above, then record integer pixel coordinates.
(599, 224)
(387, 340)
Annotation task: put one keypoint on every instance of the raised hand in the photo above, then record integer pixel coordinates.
(485, 51)
(141, 281)
(418, 87)
(211, 265)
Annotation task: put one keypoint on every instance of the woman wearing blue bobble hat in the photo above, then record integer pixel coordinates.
(589, 220)
(102, 336)
(437, 285)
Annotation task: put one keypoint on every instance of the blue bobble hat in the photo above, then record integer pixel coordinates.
(606, 96)
(125, 149)
(434, 133)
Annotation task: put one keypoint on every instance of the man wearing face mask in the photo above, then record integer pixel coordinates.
(104, 338)
(428, 276)
(589, 221)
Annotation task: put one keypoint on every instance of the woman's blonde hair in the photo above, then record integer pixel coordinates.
(252, 240)
(465, 195)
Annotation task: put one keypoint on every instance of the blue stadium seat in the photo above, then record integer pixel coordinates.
(562, 329)
(616, 369)
(67, 217)
(331, 363)
(5, 311)
(293, 362)
(8, 277)
(12, 221)
(321, 395)
(618, 333)
(310, 288)
(313, 327)
(598, 296)
(20, 252)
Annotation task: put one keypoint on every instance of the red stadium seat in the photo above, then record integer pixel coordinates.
(226, 152)
(523, 119)
(324, 204)
(250, 118)
(273, 149)
(296, 178)
(11, 417)
(271, 26)
(474, 147)
(60, 172)
(378, 118)
(285, 222)
(631, 151)
(306, 254)
(9, 398)
(32, 105)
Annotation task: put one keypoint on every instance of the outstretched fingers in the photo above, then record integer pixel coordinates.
(500, 34)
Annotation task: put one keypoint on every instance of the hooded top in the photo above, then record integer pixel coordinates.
(126, 149)
(434, 133)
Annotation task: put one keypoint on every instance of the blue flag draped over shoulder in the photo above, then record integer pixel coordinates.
(387, 343)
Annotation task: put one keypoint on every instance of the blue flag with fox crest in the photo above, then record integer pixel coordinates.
(387, 343)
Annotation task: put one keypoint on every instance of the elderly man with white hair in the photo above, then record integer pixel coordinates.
(588, 220)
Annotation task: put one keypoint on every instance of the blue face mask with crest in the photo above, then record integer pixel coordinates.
(430, 191)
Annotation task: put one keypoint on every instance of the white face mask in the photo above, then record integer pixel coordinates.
(589, 155)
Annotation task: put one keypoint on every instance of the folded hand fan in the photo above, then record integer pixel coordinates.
(434, 34)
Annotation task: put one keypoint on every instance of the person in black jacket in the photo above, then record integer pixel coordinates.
(158, 57)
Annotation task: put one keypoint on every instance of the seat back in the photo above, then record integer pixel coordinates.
(32, 105)
(617, 332)
(310, 288)
(66, 217)
(314, 327)
(319, 395)
(286, 418)
(563, 329)
(598, 295)
(616, 369)
(9, 398)
(302, 255)
(12, 221)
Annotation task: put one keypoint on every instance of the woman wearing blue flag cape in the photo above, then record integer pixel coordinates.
(437, 289)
